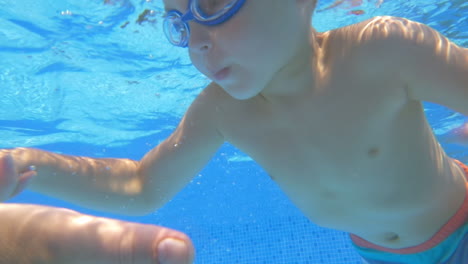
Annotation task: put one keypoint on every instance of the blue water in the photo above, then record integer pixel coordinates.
(94, 79)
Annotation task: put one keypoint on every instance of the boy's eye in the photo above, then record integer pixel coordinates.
(209, 3)
(210, 7)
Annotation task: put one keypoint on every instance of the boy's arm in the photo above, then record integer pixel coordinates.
(166, 169)
(127, 186)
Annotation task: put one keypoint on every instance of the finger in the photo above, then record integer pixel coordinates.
(9, 163)
(56, 235)
(23, 181)
(7, 175)
(148, 243)
(175, 251)
(6, 168)
(168, 246)
(114, 241)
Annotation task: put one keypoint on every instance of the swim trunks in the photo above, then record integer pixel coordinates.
(448, 246)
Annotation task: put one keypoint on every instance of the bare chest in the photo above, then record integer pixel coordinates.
(327, 138)
(346, 159)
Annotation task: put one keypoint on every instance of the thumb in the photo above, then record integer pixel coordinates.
(23, 181)
(7, 177)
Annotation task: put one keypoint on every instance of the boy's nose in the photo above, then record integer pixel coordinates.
(200, 38)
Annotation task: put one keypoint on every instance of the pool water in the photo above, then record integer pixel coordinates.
(97, 78)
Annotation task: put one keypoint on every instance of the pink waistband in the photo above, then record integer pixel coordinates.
(451, 226)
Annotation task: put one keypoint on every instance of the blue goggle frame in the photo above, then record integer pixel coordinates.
(175, 21)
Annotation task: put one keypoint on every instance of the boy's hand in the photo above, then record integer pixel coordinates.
(11, 181)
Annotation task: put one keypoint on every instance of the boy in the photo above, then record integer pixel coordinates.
(335, 118)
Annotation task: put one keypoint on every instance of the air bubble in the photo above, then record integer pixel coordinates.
(66, 13)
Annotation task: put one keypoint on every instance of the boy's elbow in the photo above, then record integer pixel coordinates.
(137, 211)
(137, 205)
(151, 201)
(147, 199)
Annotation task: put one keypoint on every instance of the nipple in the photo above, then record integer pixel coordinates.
(373, 152)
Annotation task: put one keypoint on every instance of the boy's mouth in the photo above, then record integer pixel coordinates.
(222, 74)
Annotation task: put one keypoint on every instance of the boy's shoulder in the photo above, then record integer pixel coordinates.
(384, 39)
(381, 28)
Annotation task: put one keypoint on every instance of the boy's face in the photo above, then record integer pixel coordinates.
(243, 54)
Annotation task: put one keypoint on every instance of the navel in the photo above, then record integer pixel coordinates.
(373, 152)
(391, 237)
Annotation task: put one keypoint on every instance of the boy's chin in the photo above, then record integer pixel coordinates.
(240, 94)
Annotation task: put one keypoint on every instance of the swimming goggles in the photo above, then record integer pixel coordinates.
(205, 12)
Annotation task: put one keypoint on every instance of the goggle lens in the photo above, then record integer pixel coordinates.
(176, 30)
(213, 8)
(207, 12)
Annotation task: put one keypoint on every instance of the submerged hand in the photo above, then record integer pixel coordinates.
(11, 181)
(42, 234)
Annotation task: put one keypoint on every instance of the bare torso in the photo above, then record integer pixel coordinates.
(354, 154)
